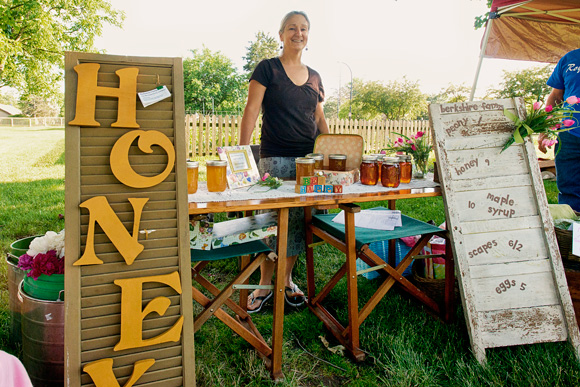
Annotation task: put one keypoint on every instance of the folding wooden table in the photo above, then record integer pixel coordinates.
(282, 205)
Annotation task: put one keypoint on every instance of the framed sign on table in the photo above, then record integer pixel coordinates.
(242, 170)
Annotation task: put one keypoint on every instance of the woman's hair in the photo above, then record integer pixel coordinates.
(289, 15)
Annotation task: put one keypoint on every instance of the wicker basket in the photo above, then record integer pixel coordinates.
(564, 238)
(434, 288)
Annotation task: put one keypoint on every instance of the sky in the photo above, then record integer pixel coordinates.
(429, 41)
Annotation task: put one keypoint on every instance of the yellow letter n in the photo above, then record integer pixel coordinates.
(100, 211)
(87, 92)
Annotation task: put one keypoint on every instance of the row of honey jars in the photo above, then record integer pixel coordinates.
(336, 162)
(216, 175)
(390, 171)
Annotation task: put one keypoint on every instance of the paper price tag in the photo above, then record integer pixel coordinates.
(153, 96)
(576, 238)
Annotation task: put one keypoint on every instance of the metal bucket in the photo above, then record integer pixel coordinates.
(15, 276)
(43, 340)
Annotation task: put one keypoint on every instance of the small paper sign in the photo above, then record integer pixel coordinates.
(576, 238)
(153, 96)
(375, 219)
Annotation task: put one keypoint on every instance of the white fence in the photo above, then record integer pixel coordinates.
(30, 122)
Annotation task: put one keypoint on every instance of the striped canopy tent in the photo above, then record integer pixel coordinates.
(533, 30)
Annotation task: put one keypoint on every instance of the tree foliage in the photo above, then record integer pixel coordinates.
(481, 20)
(34, 34)
(264, 47)
(453, 93)
(394, 100)
(211, 82)
(529, 83)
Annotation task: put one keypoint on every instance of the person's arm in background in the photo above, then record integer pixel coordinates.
(320, 120)
(555, 97)
(256, 93)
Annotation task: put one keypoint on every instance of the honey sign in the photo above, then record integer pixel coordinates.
(509, 267)
(127, 283)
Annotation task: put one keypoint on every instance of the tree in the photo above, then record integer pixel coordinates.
(35, 106)
(481, 20)
(35, 33)
(212, 83)
(453, 93)
(265, 47)
(395, 100)
(529, 83)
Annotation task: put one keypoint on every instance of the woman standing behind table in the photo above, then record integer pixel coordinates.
(290, 95)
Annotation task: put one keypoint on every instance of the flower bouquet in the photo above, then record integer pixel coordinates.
(417, 145)
(44, 263)
(269, 181)
(549, 121)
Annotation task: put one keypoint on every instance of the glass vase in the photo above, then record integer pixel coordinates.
(420, 168)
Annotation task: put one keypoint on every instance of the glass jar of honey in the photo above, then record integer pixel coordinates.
(337, 162)
(369, 171)
(318, 160)
(216, 175)
(390, 172)
(406, 168)
(380, 158)
(304, 168)
(192, 174)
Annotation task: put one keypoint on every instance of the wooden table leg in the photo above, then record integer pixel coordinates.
(278, 315)
(311, 287)
(352, 285)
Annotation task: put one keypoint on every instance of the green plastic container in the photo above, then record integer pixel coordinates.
(46, 287)
(19, 247)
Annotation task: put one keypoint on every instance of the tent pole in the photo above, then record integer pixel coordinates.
(481, 55)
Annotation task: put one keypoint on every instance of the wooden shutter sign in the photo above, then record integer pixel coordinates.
(509, 267)
(129, 317)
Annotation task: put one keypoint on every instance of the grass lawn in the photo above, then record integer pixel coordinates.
(405, 345)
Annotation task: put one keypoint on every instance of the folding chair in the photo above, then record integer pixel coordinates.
(353, 242)
(241, 323)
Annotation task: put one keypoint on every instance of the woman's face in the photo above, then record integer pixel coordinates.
(295, 34)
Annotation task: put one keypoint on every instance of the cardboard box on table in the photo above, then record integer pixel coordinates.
(351, 145)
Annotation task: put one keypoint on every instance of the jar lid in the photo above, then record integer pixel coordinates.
(404, 157)
(216, 163)
(304, 160)
(315, 156)
(391, 160)
(337, 157)
(369, 159)
(192, 164)
(379, 156)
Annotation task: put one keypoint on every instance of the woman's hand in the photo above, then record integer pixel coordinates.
(541, 146)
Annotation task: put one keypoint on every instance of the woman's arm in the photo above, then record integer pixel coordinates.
(255, 96)
(320, 120)
(555, 97)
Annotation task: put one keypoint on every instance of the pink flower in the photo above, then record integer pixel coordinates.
(419, 134)
(383, 152)
(396, 145)
(400, 139)
(572, 100)
(568, 123)
(549, 108)
(413, 147)
(537, 105)
(409, 141)
(266, 175)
